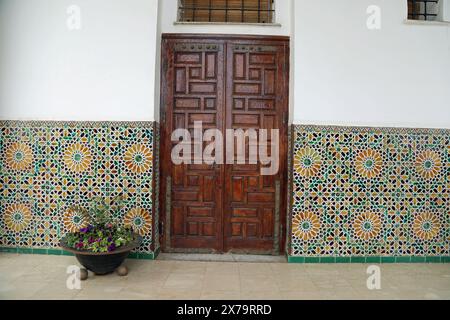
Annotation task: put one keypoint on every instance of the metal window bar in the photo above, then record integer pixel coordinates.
(210, 11)
(194, 8)
(226, 11)
(259, 11)
(418, 9)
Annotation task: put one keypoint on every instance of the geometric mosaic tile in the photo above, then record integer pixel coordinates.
(370, 192)
(49, 166)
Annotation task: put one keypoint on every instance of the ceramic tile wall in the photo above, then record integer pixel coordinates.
(370, 192)
(47, 167)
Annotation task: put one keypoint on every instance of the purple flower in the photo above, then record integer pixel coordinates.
(79, 245)
(111, 247)
(91, 240)
(84, 230)
(109, 239)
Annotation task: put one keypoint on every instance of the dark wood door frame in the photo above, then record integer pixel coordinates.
(165, 162)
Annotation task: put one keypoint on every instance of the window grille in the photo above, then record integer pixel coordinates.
(422, 9)
(237, 11)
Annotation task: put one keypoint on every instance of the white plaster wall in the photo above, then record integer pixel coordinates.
(105, 71)
(444, 11)
(346, 74)
(341, 72)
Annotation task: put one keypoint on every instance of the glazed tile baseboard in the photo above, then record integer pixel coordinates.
(369, 260)
(360, 193)
(49, 166)
(60, 252)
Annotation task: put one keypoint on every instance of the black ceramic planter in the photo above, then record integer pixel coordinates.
(103, 262)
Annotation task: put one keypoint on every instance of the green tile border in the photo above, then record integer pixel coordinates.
(355, 259)
(387, 259)
(290, 259)
(60, 252)
(25, 250)
(373, 260)
(369, 259)
(57, 252)
(433, 259)
(418, 259)
(337, 128)
(327, 259)
(402, 259)
(70, 123)
(8, 250)
(133, 255)
(343, 260)
(141, 256)
(40, 251)
(312, 259)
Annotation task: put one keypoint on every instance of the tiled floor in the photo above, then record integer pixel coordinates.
(44, 277)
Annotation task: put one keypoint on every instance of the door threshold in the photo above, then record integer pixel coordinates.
(228, 257)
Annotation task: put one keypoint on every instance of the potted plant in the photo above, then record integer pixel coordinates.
(101, 245)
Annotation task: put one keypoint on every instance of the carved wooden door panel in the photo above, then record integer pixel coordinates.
(227, 82)
(194, 84)
(255, 99)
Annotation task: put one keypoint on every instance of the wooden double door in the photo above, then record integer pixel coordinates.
(225, 82)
